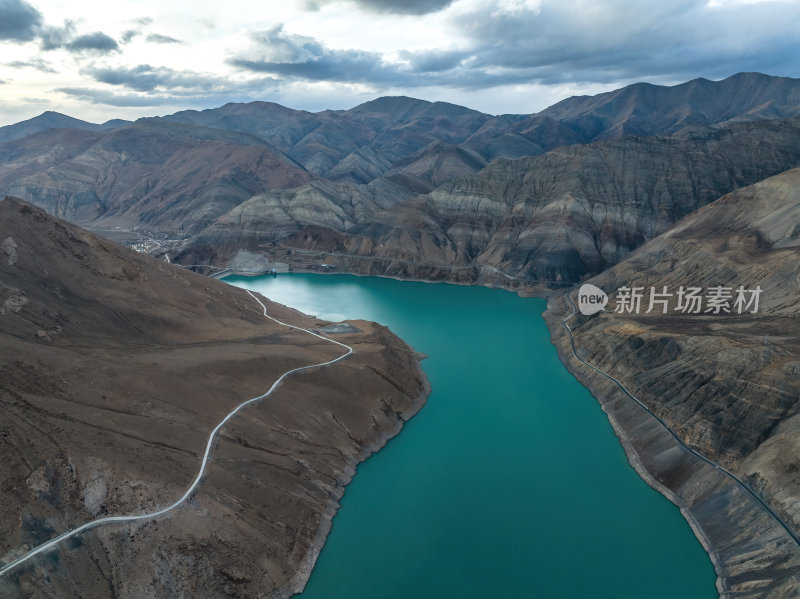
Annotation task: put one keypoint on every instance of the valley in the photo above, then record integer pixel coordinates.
(645, 186)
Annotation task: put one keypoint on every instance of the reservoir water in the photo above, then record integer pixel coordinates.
(509, 483)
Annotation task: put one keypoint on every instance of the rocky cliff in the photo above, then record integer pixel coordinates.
(180, 172)
(114, 368)
(548, 220)
(727, 383)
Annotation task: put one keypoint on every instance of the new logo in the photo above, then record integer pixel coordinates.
(591, 299)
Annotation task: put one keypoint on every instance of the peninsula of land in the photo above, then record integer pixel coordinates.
(114, 369)
(651, 186)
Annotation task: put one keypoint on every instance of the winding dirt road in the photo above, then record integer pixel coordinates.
(677, 438)
(201, 471)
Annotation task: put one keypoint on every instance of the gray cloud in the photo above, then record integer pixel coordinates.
(97, 42)
(584, 42)
(19, 20)
(613, 40)
(128, 35)
(157, 38)
(296, 57)
(52, 38)
(146, 85)
(167, 87)
(350, 66)
(405, 7)
(96, 96)
(434, 61)
(299, 57)
(146, 78)
(34, 63)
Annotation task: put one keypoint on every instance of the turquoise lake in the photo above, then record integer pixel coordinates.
(509, 482)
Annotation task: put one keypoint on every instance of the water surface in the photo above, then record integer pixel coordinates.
(509, 483)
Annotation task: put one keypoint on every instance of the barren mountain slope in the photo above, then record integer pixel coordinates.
(391, 128)
(727, 383)
(52, 120)
(355, 145)
(178, 173)
(114, 368)
(646, 109)
(548, 219)
(178, 177)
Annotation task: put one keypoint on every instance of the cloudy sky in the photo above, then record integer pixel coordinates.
(106, 59)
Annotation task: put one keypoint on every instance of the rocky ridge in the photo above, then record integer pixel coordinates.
(53, 120)
(549, 220)
(183, 176)
(727, 383)
(146, 173)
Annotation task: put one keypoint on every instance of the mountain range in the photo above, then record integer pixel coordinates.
(407, 187)
(651, 186)
(553, 219)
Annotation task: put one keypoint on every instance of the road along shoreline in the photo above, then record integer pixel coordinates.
(51, 544)
(754, 553)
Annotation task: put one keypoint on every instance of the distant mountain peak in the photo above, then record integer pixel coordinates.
(649, 109)
(184, 170)
(51, 119)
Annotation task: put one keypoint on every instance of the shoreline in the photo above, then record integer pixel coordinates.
(298, 582)
(528, 291)
(745, 545)
(553, 320)
(657, 459)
